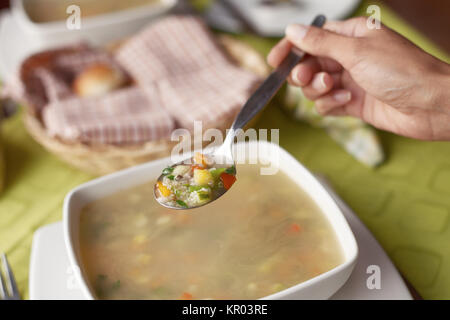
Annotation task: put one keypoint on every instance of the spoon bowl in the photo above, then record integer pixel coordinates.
(195, 181)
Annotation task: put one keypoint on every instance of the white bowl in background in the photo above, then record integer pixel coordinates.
(21, 37)
(271, 20)
(320, 287)
(99, 29)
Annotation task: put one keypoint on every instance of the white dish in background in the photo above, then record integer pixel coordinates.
(319, 287)
(270, 21)
(14, 46)
(99, 29)
(21, 37)
(52, 277)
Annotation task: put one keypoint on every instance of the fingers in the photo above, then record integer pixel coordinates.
(354, 27)
(279, 52)
(334, 102)
(323, 43)
(319, 75)
(337, 112)
(304, 72)
(321, 84)
(282, 48)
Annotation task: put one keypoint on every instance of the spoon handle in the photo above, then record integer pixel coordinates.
(271, 85)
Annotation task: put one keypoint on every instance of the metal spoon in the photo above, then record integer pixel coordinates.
(223, 155)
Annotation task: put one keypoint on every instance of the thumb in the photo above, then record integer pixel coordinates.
(323, 43)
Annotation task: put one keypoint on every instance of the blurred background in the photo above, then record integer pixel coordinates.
(430, 17)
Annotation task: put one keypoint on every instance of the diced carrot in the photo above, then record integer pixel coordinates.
(294, 228)
(197, 166)
(227, 179)
(165, 192)
(186, 296)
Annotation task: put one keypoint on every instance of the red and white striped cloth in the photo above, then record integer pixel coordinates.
(47, 76)
(181, 75)
(196, 79)
(211, 95)
(120, 117)
(169, 47)
(56, 88)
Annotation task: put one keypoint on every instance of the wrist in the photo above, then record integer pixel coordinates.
(439, 102)
(439, 88)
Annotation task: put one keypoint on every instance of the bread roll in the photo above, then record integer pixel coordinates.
(98, 80)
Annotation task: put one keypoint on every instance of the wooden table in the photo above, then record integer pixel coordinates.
(431, 17)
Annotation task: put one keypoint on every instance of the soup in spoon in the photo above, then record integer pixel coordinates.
(187, 186)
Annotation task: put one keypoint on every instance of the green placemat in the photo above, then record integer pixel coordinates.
(405, 202)
(36, 183)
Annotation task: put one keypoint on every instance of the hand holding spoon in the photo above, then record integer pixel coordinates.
(202, 179)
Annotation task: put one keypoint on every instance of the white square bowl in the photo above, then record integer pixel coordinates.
(319, 287)
(98, 30)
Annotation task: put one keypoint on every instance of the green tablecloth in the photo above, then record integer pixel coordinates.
(405, 202)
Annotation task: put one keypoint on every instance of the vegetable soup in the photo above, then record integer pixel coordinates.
(193, 185)
(264, 235)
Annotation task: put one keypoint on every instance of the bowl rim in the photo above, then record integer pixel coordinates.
(350, 252)
(98, 21)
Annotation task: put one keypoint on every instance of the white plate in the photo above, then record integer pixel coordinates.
(51, 276)
(271, 21)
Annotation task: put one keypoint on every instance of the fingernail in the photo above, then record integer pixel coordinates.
(296, 77)
(342, 97)
(319, 82)
(296, 31)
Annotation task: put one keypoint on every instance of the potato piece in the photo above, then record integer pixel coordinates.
(203, 177)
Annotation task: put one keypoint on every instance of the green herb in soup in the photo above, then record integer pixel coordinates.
(188, 186)
(264, 235)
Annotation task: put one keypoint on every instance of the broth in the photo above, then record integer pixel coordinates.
(42, 11)
(264, 235)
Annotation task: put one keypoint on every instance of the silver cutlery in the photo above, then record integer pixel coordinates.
(8, 286)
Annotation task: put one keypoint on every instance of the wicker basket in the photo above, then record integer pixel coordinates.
(106, 158)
